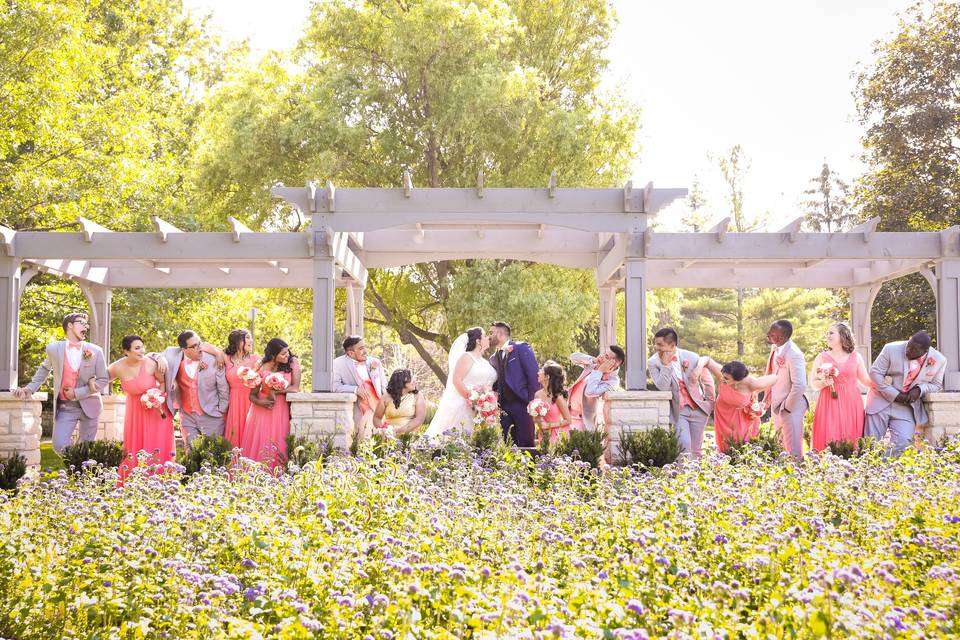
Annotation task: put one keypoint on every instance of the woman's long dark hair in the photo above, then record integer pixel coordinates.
(398, 379)
(473, 337)
(274, 347)
(235, 342)
(556, 379)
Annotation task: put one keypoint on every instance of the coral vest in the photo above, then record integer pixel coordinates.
(189, 400)
(68, 379)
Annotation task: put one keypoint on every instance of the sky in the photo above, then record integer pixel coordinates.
(774, 77)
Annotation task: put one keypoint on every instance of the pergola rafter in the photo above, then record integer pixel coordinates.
(608, 230)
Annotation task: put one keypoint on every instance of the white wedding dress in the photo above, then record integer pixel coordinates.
(453, 416)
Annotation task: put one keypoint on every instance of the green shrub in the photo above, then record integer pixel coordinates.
(487, 438)
(585, 445)
(766, 445)
(302, 450)
(215, 451)
(106, 453)
(11, 470)
(842, 448)
(655, 447)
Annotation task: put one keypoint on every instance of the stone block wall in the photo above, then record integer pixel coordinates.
(317, 416)
(635, 411)
(110, 425)
(20, 426)
(943, 410)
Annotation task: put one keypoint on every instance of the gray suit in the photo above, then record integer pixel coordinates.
(86, 409)
(346, 380)
(594, 387)
(883, 413)
(688, 421)
(213, 391)
(786, 397)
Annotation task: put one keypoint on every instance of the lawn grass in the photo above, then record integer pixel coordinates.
(49, 459)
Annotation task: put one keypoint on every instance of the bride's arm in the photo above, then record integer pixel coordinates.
(460, 372)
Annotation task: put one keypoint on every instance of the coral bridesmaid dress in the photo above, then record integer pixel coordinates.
(239, 406)
(144, 429)
(732, 420)
(554, 415)
(839, 418)
(265, 432)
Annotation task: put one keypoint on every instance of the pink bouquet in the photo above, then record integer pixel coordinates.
(754, 409)
(538, 408)
(154, 399)
(276, 381)
(250, 378)
(828, 372)
(484, 403)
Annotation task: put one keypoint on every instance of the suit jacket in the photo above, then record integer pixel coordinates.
(93, 367)
(520, 371)
(345, 379)
(213, 390)
(893, 363)
(594, 387)
(702, 391)
(791, 369)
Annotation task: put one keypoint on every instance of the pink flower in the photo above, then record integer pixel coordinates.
(685, 365)
(276, 381)
(508, 348)
(374, 364)
(87, 354)
(203, 365)
(780, 361)
(931, 361)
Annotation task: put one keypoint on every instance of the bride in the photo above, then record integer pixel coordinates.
(466, 368)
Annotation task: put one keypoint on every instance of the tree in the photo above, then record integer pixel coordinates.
(908, 99)
(827, 205)
(696, 218)
(440, 88)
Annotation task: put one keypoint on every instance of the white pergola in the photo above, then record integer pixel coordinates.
(606, 230)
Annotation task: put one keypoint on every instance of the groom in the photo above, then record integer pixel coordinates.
(516, 383)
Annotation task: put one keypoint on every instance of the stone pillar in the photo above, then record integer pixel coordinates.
(20, 426)
(319, 416)
(324, 284)
(354, 326)
(100, 299)
(948, 320)
(636, 323)
(9, 322)
(635, 411)
(861, 304)
(110, 425)
(608, 317)
(943, 411)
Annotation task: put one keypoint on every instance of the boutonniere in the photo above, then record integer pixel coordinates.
(684, 365)
(374, 365)
(780, 361)
(931, 362)
(508, 348)
(87, 354)
(203, 365)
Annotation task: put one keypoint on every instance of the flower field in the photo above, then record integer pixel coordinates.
(410, 546)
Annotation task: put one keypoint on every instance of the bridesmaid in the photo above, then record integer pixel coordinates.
(268, 423)
(149, 430)
(840, 418)
(402, 409)
(552, 380)
(734, 420)
(239, 353)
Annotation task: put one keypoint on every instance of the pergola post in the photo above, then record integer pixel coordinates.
(100, 299)
(948, 320)
(9, 321)
(608, 317)
(324, 284)
(354, 324)
(861, 304)
(636, 323)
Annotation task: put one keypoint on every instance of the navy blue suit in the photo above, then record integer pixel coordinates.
(516, 385)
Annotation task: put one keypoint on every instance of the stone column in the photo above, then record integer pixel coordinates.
(324, 284)
(354, 326)
(861, 304)
(943, 411)
(9, 321)
(319, 416)
(636, 323)
(110, 424)
(635, 411)
(948, 320)
(20, 426)
(608, 317)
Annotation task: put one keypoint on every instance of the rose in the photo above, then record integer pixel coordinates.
(780, 361)
(828, 372)
(538, 408)
(374, 364)
(508, 348)
(931, 361)
(203, 365)
(250, 378)
(276, 381)
(154, 399)
(87, 354)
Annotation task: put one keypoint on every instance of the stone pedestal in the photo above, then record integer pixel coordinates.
(20, 426)
(110, 425)
(943, 410)
(635, 411)
(318, 416)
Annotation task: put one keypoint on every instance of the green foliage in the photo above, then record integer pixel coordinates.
(902, 307)
(827, 204)
(842, 448)
(766, 446)
(586, 445)
(213, 451)
(12, 468)
(106, 453)
(487, 438)
(647, 448)
(301, 450)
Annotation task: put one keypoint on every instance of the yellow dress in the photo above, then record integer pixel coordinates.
(398, 417)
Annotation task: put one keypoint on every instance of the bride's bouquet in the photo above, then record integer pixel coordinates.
(250, 378)
(485, 406)
(154, 399)
(276, 381)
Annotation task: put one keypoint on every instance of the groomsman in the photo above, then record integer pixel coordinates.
(672, 369)
(785, 397)
(600, 375)
(196, 385)
(73, 363)
(913, 369)
(361, 374)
